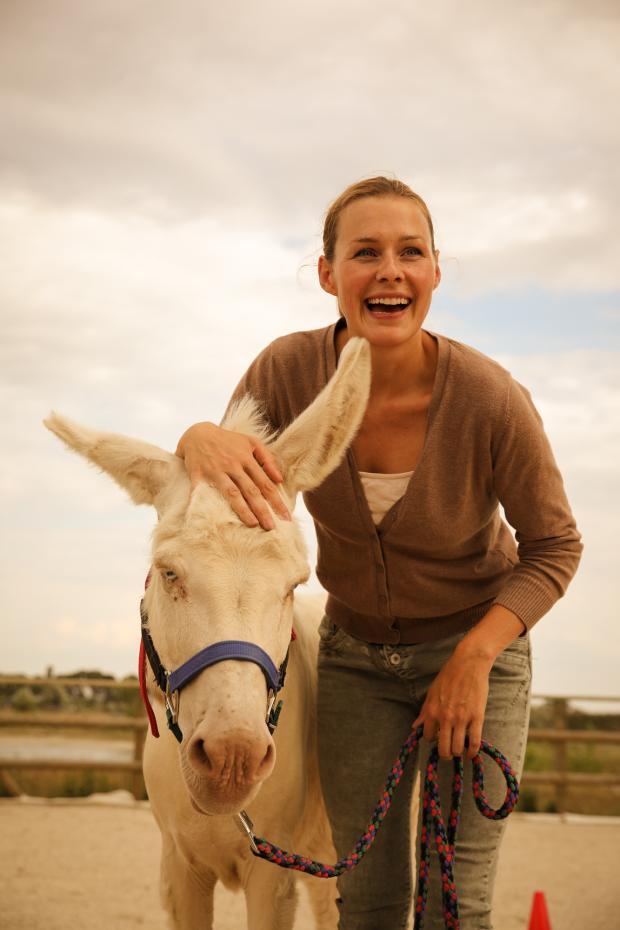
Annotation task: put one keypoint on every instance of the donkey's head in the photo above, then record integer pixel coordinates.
(214, 579)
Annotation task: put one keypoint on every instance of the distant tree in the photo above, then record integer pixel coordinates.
(24, 699)
(54, 695)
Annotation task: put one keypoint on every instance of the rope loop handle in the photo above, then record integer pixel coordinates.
(512, 785)
(431, 818)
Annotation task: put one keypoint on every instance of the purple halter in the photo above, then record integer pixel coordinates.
(171, 683)
(218, 652)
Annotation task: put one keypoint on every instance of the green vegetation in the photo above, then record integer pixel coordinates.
(24, 700)
(596, 758)
(543, 717)
(70, 698)
(59, 784)
(598, 801)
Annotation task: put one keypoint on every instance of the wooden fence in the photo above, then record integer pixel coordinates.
(90, 722)
(559, 736)
(86, 722)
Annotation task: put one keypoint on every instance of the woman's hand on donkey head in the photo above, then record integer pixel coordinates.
(239, 466)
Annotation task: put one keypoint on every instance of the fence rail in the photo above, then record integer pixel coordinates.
(129, 683)
(559, 737)
(88, 721)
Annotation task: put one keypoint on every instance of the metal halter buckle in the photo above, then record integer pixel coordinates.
(273, 711)
(172, 699)
(245, 825)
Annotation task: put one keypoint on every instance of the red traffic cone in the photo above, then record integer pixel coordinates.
(539, 918)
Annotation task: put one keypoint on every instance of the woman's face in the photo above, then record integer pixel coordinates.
(383, 250)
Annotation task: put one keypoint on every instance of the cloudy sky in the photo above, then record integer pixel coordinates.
(164, 170)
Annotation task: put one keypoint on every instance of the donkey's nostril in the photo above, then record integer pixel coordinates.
(266, 763)
(198, 755)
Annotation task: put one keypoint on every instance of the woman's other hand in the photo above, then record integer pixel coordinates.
(457, 699)
(239, 466)
(455, 705)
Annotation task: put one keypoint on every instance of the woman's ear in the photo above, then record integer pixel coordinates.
(326, 277)
(437, 270)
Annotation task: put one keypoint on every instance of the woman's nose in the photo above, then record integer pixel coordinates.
(390, 269)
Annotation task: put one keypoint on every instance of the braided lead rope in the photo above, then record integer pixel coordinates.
(444, 840)
(431, 817)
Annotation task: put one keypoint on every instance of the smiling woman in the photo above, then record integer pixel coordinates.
(430, 601)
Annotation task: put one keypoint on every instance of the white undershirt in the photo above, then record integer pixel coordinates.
(382, 491)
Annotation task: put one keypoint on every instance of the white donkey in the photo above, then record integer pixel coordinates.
(216, 580)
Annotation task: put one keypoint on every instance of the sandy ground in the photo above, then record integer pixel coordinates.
(94, 866)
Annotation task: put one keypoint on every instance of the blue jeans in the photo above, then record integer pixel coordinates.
(368, 697)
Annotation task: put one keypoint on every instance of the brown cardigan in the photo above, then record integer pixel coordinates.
(442, 554)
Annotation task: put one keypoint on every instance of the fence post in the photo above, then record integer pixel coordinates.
(560, 719)
(10, 784)
(138, 748)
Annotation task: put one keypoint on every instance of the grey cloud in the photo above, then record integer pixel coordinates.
(278, 105)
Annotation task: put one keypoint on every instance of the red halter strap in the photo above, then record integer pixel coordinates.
(143, 691)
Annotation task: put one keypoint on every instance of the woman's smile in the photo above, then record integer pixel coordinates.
(387, 307)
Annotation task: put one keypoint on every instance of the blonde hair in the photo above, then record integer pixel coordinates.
(371, 187)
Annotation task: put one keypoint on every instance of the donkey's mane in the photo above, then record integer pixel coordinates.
(246, 416)
(208, 511)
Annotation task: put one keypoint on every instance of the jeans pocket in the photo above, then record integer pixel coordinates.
(518, 652)
(512, 672)
(330, 634)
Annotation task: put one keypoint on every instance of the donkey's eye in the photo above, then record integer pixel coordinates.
(173, 581)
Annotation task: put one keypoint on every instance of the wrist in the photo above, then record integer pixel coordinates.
(490, 636)
(190, 434)
(474, 649)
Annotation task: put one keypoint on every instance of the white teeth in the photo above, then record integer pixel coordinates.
(389, 301)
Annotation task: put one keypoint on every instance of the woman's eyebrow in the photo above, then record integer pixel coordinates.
(370, 239)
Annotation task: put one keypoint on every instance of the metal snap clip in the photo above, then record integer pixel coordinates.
(172, 700)
(245, 825)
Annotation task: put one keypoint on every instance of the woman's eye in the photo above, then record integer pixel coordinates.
(370, 252)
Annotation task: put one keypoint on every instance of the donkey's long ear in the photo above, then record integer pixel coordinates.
(315, 443)
(141, 469)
